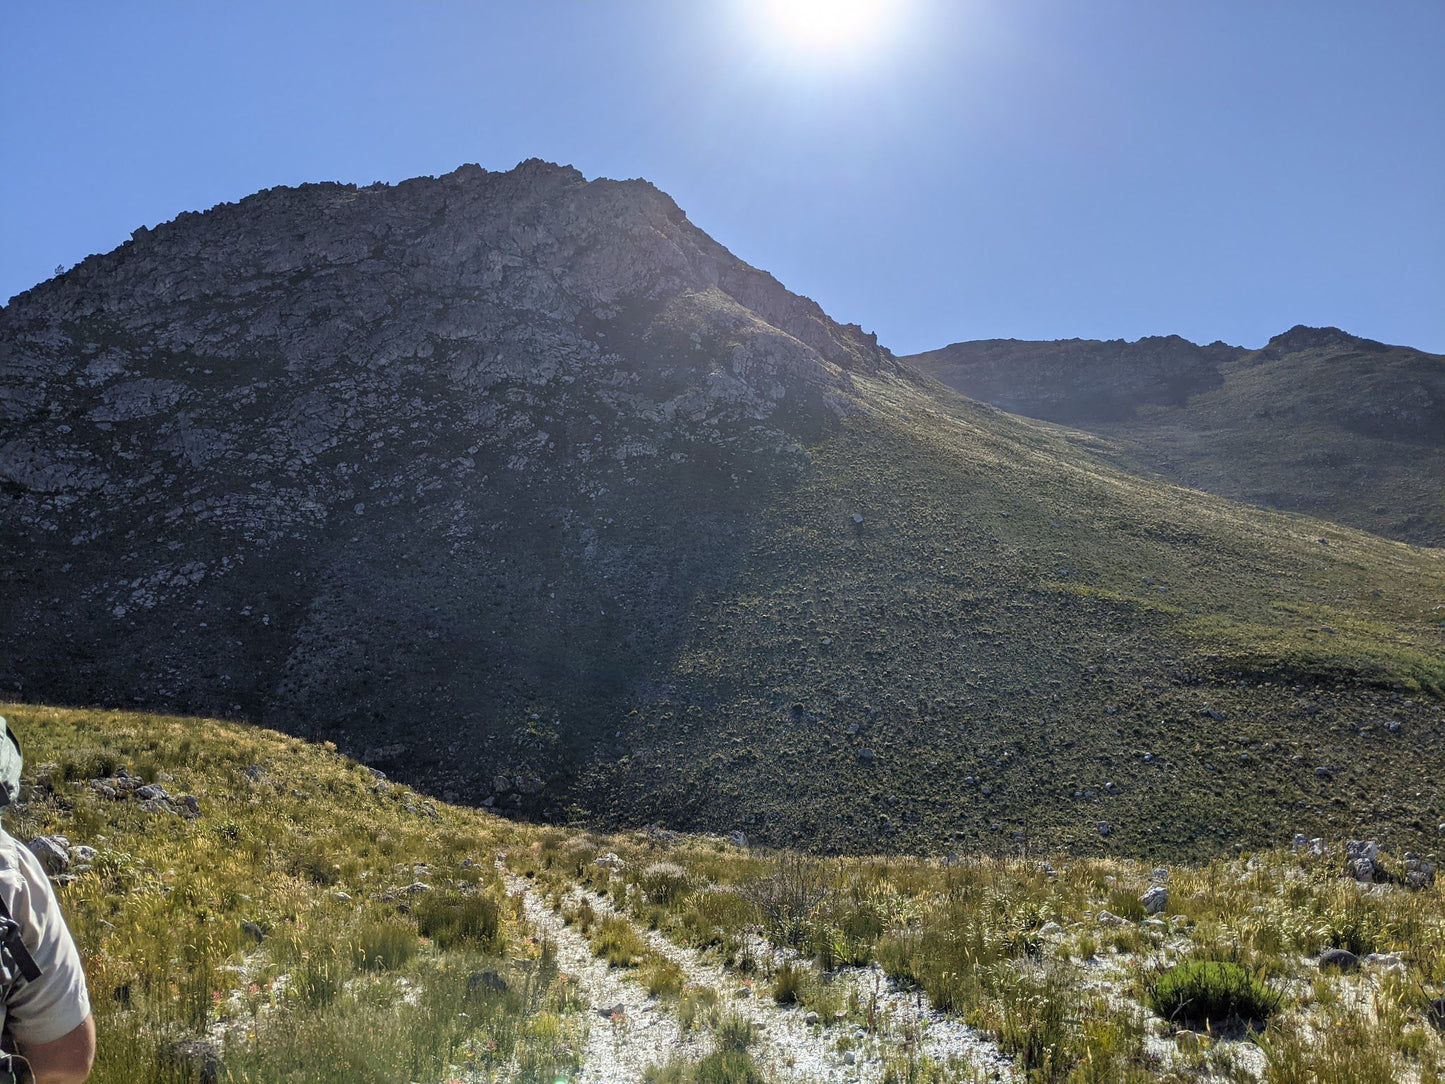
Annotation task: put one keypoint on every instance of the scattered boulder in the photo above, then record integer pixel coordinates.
(1105, 829)
(810, 1019)
(1361, 856)
(1418, 873)
(53, 853)
(610, 862)
(151, 792)
(1339, 959)
(866, 755)
(1108, 918)
(738, 838)
(1155, 900)
(1384, 961)
(491, 981)
(201, 1058)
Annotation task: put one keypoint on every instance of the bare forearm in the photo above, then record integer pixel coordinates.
(67, 1060)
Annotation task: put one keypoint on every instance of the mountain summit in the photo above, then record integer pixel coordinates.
(522, 488)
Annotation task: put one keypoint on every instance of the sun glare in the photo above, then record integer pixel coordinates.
(826, 26)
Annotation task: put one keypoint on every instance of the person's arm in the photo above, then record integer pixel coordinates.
(67, 1060)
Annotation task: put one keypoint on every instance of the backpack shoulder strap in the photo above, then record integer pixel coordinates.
(14, 944)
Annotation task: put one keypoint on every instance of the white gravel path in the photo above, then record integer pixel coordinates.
(619, 1047)
(787, 1047)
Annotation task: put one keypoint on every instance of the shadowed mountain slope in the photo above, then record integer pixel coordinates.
(522, 488)
(1318, 421)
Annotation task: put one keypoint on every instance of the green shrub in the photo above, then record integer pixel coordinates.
(1356, 927)
(735, 1034)
(1126, 903)
(665, 883)
(661, 977)
(1201, 992)
(617, 942)
(787, 984)
(460, 920)
(383, 944)
(729, 1067)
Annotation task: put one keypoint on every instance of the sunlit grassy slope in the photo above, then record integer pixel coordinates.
(283, 931)
(320, 858)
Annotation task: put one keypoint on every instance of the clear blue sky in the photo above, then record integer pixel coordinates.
(981, 168)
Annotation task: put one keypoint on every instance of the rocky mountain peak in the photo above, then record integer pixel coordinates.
(1302, 337)
(322, 422)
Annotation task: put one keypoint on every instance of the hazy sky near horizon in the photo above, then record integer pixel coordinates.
(971, 169)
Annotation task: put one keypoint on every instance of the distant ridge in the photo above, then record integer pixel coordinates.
(1316, 421)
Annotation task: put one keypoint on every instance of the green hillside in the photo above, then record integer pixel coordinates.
(1011, 613)
(312, 922)
(1317, 421)
(524, 490)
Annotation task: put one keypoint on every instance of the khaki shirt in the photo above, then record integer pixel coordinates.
(57, 1002)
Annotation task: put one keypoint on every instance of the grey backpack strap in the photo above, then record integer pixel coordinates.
(14, 946)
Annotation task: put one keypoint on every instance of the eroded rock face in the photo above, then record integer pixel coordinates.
(397, 461)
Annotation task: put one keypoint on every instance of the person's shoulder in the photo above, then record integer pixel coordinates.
(10, 849)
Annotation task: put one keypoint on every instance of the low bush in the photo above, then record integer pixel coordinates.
(1206, 992)
(665, 883)
(735, 1034)
(460, 920)
(617, 942)
(383, 944)
(788, 984)
(661, 977)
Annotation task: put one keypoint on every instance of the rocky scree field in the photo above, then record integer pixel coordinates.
(522, 489)
(251, 907)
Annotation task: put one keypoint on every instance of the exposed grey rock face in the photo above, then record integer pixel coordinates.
(431, 468)
(53, 853)
(1155, 900)
(1339, 958)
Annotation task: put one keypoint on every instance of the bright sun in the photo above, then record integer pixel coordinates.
(825, 26)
